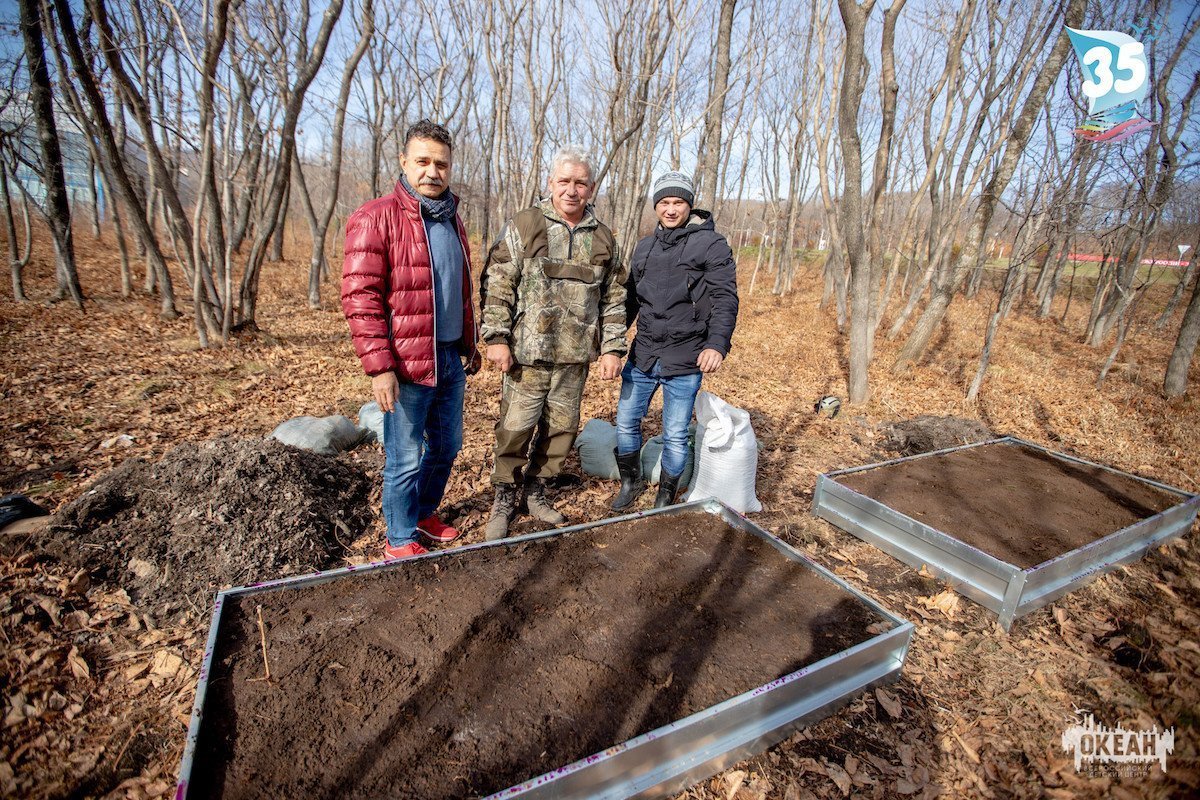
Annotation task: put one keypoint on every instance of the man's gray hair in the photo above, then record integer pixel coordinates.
(572, 154)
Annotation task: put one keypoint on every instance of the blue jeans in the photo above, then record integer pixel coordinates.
(421, 437)
(679, 397)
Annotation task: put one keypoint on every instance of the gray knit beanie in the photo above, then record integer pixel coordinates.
(675, 184)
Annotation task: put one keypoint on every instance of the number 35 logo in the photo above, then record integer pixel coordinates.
(1131, 59)
(1114, 82)
(1114, 68)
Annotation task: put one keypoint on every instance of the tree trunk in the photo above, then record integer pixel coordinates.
(714, 113)
(93, 196)
(41, 99)
(318, 265)
(850, 216)
(281, 222)
(1002, 309)
(1175, 382)
(16, 261)
(889, 88)
(1185, 280)
(157, 267)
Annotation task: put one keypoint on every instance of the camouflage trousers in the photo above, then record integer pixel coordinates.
(539, 418)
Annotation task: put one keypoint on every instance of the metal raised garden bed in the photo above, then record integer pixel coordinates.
(995, 584)
(676, 755)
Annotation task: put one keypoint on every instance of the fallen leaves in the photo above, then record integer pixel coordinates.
(945, 601)
(733, 782)
(72, 666)
(1045, 391)
(79, 667)
(840, 777)
(968, 749)
(165, 665)
(889, 702)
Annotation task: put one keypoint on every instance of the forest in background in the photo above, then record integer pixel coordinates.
(911, 148)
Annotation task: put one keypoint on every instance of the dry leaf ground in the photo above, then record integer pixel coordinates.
(96, 697)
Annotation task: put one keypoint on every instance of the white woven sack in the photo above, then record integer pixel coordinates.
(726, 455)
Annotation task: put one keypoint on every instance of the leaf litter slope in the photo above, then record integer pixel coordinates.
(97, 688)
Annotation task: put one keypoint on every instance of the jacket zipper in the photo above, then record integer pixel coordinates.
(570, 236)
(470, 289)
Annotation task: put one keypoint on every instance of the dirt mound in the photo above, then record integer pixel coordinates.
(210, 515)
(926, 433)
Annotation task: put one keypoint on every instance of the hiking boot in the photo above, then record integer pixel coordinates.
(503, 507)
(632, 485)
(404, 551)
(668, 485)
(539, 507)
(437, 531)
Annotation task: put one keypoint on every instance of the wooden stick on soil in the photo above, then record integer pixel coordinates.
(120, 754)
(262, 637)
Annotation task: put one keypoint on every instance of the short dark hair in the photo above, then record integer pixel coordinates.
(428, 129)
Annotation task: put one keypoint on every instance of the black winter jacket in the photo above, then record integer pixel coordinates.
(683, 292)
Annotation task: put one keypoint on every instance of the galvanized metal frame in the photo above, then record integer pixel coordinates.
(995, 584)
(665, 760)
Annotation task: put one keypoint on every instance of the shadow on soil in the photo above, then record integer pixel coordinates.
(615, 687)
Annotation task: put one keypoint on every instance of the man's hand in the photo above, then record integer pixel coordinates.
(386, 388)
(610, 366)
(500, 355)
(709, 360)
(474, 362)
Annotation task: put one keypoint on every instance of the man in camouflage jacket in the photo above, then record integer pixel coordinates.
(552, 300)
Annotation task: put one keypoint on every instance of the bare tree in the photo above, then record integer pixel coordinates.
(714, 112)
(99, 127)
(1175, 381)
(16, 259)
(308, 61)
(1154, 187)
(1014, 146)
(851, 217)
(318, 219)
(163, 188)
(638, 39)
(58, 210)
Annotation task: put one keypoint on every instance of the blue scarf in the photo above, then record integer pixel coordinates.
(439, 208)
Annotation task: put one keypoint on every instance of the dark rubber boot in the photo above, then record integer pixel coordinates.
(668, 485)
(632, 485)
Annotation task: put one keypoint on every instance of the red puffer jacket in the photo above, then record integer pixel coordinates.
(387, 278)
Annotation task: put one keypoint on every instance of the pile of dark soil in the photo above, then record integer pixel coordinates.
(927, 433)
(220, 513)
(466, 673)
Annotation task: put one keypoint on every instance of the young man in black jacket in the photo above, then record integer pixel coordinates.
(683, 292)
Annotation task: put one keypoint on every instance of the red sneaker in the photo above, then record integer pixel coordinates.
(437, 531)
(404, 551)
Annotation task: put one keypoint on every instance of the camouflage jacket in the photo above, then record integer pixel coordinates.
(554, 294)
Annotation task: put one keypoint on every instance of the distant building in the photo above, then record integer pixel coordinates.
(18, 130)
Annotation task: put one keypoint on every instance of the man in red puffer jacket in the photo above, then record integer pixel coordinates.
(406, 294)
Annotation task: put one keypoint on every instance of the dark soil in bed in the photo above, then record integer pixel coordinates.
(1013, 502)
(467, 674)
